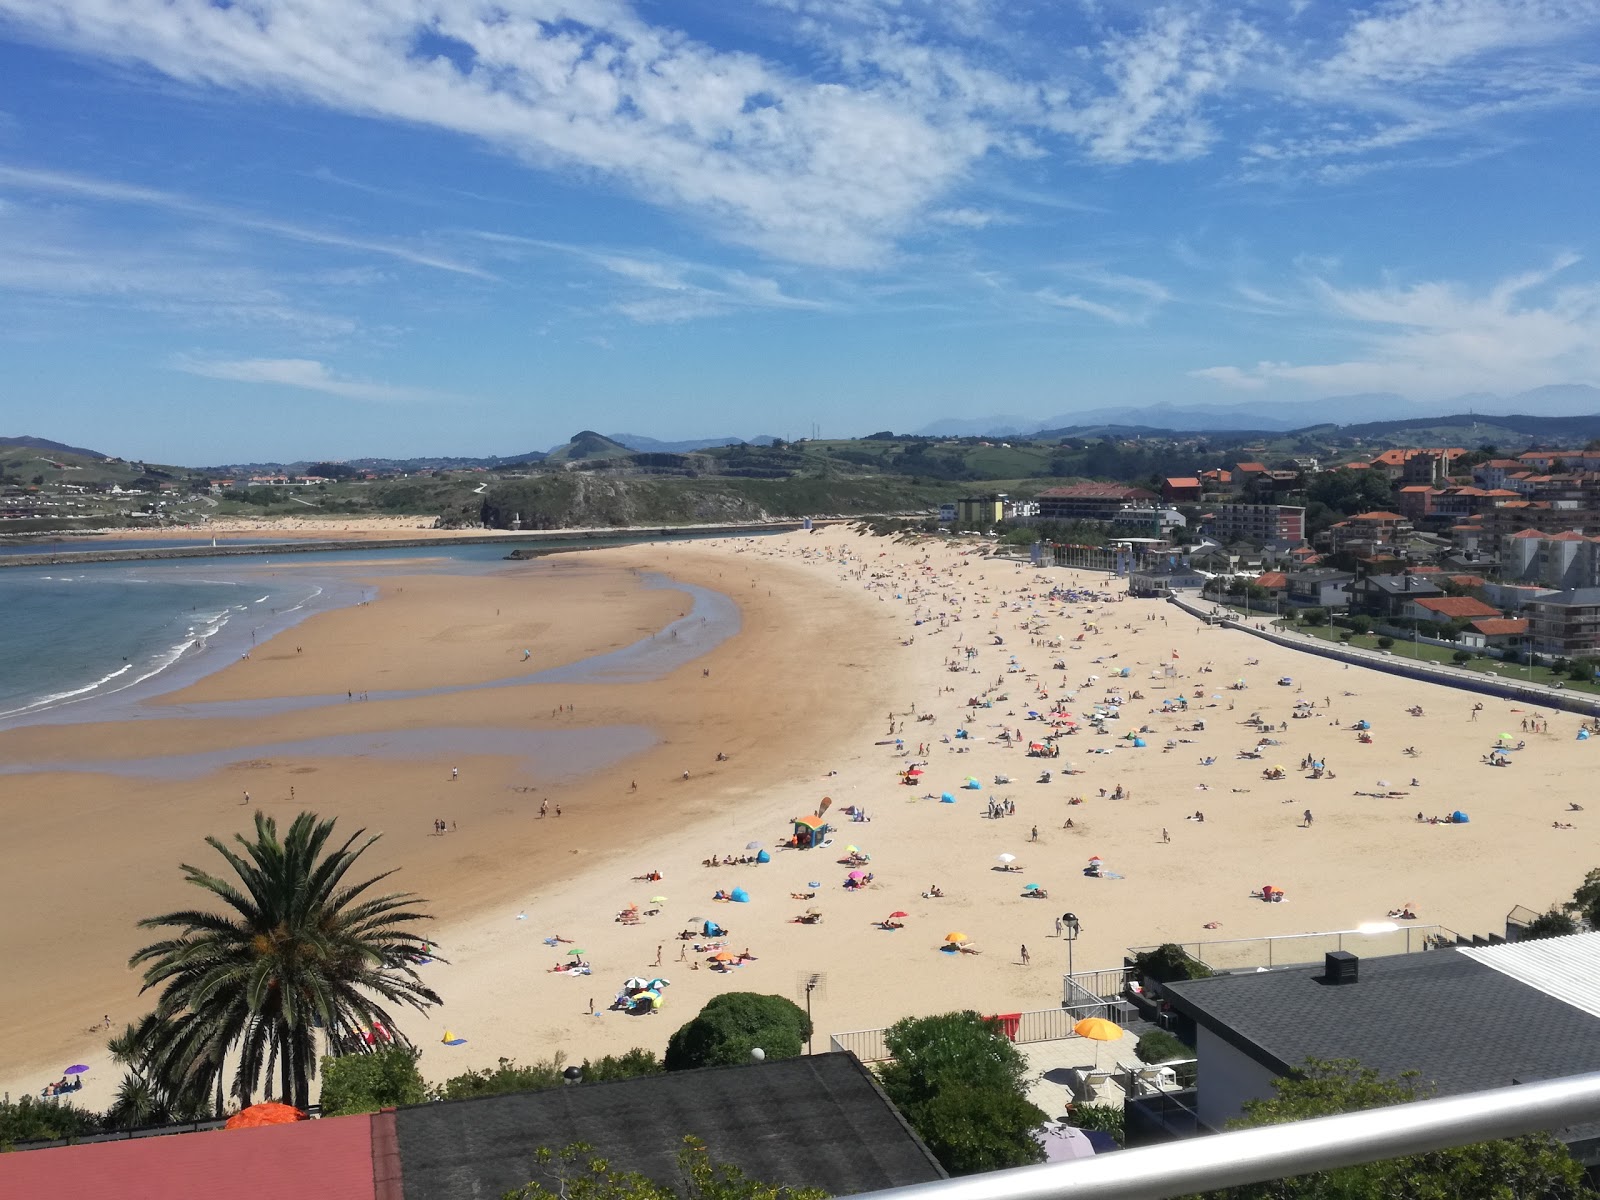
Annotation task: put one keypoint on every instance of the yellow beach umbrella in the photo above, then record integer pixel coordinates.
(955, 937)
(658, 899)
(1098, 1029)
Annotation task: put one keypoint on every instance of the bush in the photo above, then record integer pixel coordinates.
(507, 1077)
(1358, 624)
(1461, 656)
(363, 1083)
(1385, 642)
(1346, 634)
(631, 1065)
(1167, 963)
(1554, 923)
(1159, 1046)
(1104, 1118)
(733, 1024)
(30, 1119)
(1579, 672)
(1315, 616)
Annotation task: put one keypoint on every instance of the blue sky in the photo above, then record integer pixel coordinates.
(294, 229)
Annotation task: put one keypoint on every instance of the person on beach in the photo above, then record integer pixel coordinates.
(455, 773)
(1306, 822)
(1025, 959)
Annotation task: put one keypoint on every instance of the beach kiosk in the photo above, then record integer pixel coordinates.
(809, 831)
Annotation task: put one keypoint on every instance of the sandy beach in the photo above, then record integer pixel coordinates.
(847, 644)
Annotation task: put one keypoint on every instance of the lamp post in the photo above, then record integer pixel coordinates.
(1069, 930)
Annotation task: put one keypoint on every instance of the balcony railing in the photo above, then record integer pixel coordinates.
(1274, 1152)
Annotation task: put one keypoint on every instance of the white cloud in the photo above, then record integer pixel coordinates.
(1442, 338)
(304, 373)
(87, 187)
(1106, 312)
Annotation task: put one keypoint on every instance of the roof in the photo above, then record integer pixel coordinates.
(1378, 515)
(1572, 598)
(812, 1121)
(1461, 1024)
(1182, 481)
(1501, 626)
(331, 1159)
(1458, 606)
(1272, 579)
(1398, 584)
(1567, 968)
(1250, 467)
(1396, 458)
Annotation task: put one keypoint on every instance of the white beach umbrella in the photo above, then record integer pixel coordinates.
(1006, 858)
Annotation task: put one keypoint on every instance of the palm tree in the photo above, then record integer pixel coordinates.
(298, 949)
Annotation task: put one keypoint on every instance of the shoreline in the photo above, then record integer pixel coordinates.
(300, 541)
(848, 642)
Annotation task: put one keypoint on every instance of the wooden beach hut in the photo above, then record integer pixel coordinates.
(810, 831)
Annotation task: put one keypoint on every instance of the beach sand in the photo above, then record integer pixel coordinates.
(800, 700)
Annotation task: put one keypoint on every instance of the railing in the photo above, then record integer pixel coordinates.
(1085, 987)
(1036, 1025)
(1383, 938)
(1255, 1155)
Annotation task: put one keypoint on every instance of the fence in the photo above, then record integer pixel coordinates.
(1232, 954)
(1036, 1025)
(1083, 988)
(1469, 681)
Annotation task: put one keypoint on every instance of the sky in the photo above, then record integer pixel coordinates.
(256, 230)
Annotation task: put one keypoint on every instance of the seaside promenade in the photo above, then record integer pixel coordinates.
(859, 661)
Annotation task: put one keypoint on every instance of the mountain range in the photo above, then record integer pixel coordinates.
(1558, 400)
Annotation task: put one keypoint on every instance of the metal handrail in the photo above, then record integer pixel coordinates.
(1275, 1151)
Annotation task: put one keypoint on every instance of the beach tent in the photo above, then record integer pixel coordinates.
(947, 798)
(972, 785)
(763, 857)
(809, 831)
(739, 896)
(1459, 818)
(1139, 742)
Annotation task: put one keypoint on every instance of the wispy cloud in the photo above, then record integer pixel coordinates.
(1442, 338)
(306, 374)
(111, 191)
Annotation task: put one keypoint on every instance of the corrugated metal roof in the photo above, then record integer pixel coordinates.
(1563, 968)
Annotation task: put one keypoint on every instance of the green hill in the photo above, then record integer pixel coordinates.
(588, 446)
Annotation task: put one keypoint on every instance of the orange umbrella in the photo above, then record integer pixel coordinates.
(722, 956)
(1099, 1029)
(270, 1113)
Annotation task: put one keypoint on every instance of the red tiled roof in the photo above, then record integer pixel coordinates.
(1468, 580)
(329, 1159)
(1377, 516)
(1498, 626)
(1272, 579)
(1416, 487)
(1458, 606)
(1250, 466)
(1097, 491)
(1182, 481)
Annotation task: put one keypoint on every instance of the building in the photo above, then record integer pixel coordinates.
(1369, 533)
(1443, 609)
(947, 512)
(1179, 489)
(1274, 526)
(1566, 623)
(1494, 633)
(1465, 1019)
(1163, 580)
(981, 510)
(1568, 559)
(813, 1121)
(1092, 502)
(1419, 465)
(1385, 596)
(1318, 587)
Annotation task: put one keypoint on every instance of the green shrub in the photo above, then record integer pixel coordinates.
(733, 1024)
(1159, 1046)
(1461, 656)
(1167, 963)
(364, 1083)
(1358, 624)
(1385, 642)
(1104, 1118)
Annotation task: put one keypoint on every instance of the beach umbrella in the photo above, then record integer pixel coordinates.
(260, 1115)
(1098, 1029)
(1030, 887)
(752, 845)
(814, 883)
(722, 956)
(954, 938)
(575, 952)
(914, 771)
(852, 850)
(897, 913)
(856, 875)
(657, 984)
(75, 1069)
(1006, 858)
(694, 920)
(635, 983)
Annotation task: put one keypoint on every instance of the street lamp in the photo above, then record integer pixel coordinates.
(1069, 930)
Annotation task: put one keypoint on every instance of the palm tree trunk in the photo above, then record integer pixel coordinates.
(288, 1093)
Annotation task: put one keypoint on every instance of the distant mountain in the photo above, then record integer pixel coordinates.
(1556, 400)
(637, 441)
(586, 445)
(33, 443)
(1476, 427)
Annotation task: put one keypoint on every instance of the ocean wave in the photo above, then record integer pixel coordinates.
(58, 697)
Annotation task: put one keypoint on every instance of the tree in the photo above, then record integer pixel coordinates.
(1315, 616)
(299, 948)
(1461, 656)
(1585, 901)
(1385, 642)
(576, 1173)
(1534, 1167)
(362, 1083)
(962, 1084)
(144, 1096)
(1358, 624)
(1554, 923)
(733, 1024)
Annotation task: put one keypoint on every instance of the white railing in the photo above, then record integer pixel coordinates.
(1382, 938)
(1273, 1152)
(1035, 1025)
